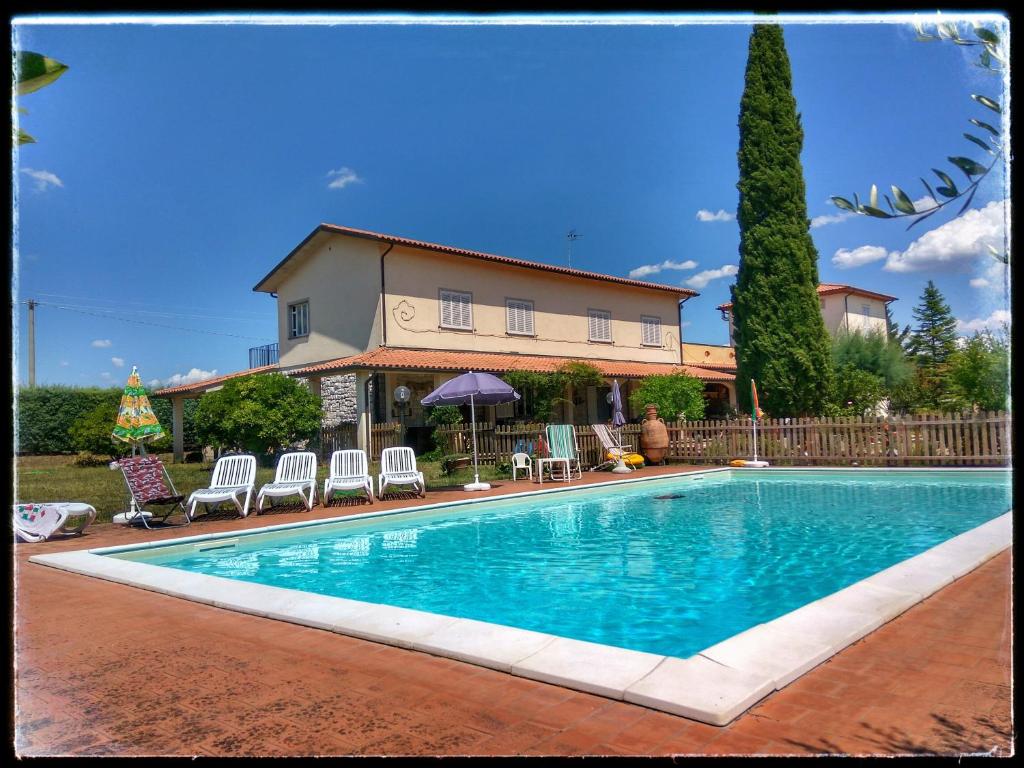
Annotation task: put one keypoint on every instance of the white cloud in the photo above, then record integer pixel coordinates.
(955, 243)
(117, 361)
(106, 376)
(101, 343)
(342, 178)
(653, 269)
(979, 282)
(43, 179)
(178, 379)
(993, 322)
(720, 215)
(64, 363)
(703, 278)
(831, 218)
(858, 257)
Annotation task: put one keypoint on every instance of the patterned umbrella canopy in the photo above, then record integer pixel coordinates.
(136, 421)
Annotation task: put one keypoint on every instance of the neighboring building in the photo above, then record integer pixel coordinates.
(843, 307)
(360, 313)
(720, 395)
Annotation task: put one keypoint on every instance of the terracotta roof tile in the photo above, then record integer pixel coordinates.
(825, 289)
(440, 360)
(200, 386)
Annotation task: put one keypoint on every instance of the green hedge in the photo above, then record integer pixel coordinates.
(46, 415)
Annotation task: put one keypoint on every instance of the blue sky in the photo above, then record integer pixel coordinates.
(176, 165)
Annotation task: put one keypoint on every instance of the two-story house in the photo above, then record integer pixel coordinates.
(361, 313)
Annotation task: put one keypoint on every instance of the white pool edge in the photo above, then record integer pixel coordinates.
(714, 686)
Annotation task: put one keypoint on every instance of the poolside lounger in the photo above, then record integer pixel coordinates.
(148, 485)
(349, 472)
(563, 451)
(398, 467)
(38, 522)
(611, 446)
(232, 477)
(296, 474)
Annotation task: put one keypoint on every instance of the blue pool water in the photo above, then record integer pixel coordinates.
(670, 566)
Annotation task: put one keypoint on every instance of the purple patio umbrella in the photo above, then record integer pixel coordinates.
(618, 420)
(472, 388)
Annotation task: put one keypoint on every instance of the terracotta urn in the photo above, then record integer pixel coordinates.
(654, 436)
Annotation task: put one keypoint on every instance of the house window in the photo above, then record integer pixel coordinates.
(600, 322)
(865, 309)
(298, 319)
(457, 310)
(650, 331)
(519, 317)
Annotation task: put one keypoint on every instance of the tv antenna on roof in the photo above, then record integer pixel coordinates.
(572, 236)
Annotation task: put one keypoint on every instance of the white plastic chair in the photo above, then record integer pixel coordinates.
(349, 472)
(522, 461)
(398, 467)
(232, 476)
(295, 476)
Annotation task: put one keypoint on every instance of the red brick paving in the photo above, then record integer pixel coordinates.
(105, 669)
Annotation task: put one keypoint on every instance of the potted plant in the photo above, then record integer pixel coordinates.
(454, 462)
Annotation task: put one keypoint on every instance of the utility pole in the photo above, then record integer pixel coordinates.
(572, 237)
(31, 343)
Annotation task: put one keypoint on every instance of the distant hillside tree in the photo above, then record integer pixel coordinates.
(780, 336)
(931, 344)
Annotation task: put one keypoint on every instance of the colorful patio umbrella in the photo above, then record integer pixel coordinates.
(136, 421)
(472, 388)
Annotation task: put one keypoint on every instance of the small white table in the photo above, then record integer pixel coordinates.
(549, 460)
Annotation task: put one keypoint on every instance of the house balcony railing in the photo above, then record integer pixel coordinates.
(265, 355)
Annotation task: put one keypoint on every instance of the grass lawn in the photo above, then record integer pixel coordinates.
(56, 478)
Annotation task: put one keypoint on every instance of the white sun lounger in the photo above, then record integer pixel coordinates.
(398, 467)
(349, 472)
(233, 476)
(295, 476)
(38, 522)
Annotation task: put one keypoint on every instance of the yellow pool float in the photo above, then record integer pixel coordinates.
(633, 459)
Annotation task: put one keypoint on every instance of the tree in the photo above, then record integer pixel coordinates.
(542, 393)
(677, 396)
(892, 329)
(858, 391)
(931, 343)
(33, 72)
(873, 352)
(258, 413)
(979, 373)
(91, 432)
(780, 336)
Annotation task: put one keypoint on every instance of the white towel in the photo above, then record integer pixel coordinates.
(37, 522)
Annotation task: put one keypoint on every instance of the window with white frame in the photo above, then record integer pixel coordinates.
(298, 319)
(600, 324)
(457, 310)
(865, 309)
(519, 317)
(650, 331)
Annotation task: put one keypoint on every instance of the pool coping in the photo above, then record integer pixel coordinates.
(713, 686)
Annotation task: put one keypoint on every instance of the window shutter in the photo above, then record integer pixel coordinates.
(650, 330)
(600, 325)
(519, 317)
(456, 310)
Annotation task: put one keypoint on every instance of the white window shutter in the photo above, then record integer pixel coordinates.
(650, 330)
(519, 317)
(456, 310)
(600, 325)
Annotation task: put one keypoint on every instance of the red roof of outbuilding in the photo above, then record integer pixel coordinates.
(825, 289)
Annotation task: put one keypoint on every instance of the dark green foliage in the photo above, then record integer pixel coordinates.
(979, 374)
(91, 433)
(780, 337)
(893, 328)
(857, 391)
(162, 409)
(931, 343)
(674, 394)
(874, 353)
(439, 415)
(542, 393)
(258, 413)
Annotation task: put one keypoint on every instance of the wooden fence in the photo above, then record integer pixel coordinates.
(343, 436)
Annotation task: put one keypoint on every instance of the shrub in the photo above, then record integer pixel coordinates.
(677, 396)
(258, 413)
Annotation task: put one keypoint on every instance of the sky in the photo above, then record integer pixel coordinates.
(176, 165)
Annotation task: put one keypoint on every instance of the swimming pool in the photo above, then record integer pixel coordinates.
(697, 593)
(667, 566)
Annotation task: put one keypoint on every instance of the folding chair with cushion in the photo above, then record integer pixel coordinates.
(348, 472)
(295, 476)
(38, 522)
(614, 449)
(398, 467)
(563, 452)
(148, 485)
(232, 477)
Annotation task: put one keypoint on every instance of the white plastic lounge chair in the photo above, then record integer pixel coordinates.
(563, 453)
(295, 476)
(398, 467)
(522, 461)
(38, 522)
(149, 485)
(232, 477)
(611, 446)
(349, 472)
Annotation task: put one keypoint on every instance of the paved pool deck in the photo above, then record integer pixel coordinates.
(106, 669)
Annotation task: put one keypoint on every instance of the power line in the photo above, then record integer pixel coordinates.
(118, 304)
(144, 322)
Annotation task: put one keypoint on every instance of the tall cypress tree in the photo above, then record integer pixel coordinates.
(932, 343)
(780, 336)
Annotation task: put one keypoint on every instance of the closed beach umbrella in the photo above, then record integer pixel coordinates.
(136, 422)
(473, 389)
(617, 418)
